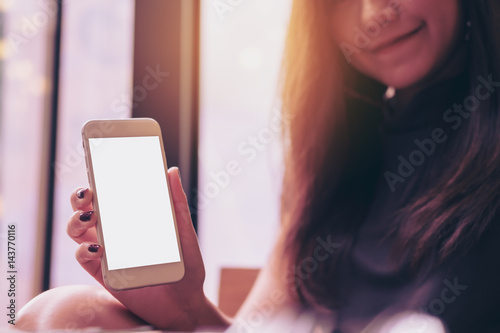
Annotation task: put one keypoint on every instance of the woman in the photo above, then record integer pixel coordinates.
(391, 188)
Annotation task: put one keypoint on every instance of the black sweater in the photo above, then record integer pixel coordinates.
(463, 293)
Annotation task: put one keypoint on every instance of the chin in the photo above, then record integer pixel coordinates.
(404, 80)
(400, 77)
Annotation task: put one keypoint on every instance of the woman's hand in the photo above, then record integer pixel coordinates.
(179, 306)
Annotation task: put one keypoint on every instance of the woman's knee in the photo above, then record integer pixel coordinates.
(74, 307)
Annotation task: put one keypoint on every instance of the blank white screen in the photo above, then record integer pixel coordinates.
(134, 203)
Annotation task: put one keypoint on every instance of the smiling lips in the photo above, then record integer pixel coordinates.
(394, 40)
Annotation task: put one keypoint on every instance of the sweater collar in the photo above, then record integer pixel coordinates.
(427, 107)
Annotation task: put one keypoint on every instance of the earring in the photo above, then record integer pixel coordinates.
(467, 31)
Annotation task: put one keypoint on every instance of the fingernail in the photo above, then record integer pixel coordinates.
(94, 248)
(179, 172)
(85, 217)
(81, 193)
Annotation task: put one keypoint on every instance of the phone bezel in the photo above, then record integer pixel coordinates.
(135, 277)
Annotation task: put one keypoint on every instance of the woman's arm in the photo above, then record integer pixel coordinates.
(178, 306)
(268, 299)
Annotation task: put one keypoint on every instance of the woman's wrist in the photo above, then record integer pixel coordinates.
(209, 315)
(201, 313)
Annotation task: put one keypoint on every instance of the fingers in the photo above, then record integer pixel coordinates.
(81, 199)
(80, 227)
(89, 255)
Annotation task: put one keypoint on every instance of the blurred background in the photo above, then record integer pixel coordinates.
(216, 65)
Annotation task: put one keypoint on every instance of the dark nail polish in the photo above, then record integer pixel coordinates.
(81, 193)
(94, 248)
(85, 217)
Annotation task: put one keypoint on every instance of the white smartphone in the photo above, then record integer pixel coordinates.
(127, 171)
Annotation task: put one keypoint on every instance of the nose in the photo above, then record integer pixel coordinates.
(381, 11)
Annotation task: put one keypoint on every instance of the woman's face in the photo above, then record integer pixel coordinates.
(396, 42)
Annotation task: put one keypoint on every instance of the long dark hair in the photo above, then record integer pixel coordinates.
(331, 160)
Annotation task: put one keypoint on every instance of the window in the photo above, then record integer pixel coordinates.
(210, 49)
(96, 73)
(25, 90)
(240, 151)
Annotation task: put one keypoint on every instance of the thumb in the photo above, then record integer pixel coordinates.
(179, 198)
(187, 234)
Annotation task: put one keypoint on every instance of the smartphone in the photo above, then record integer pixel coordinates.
(136, 224)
